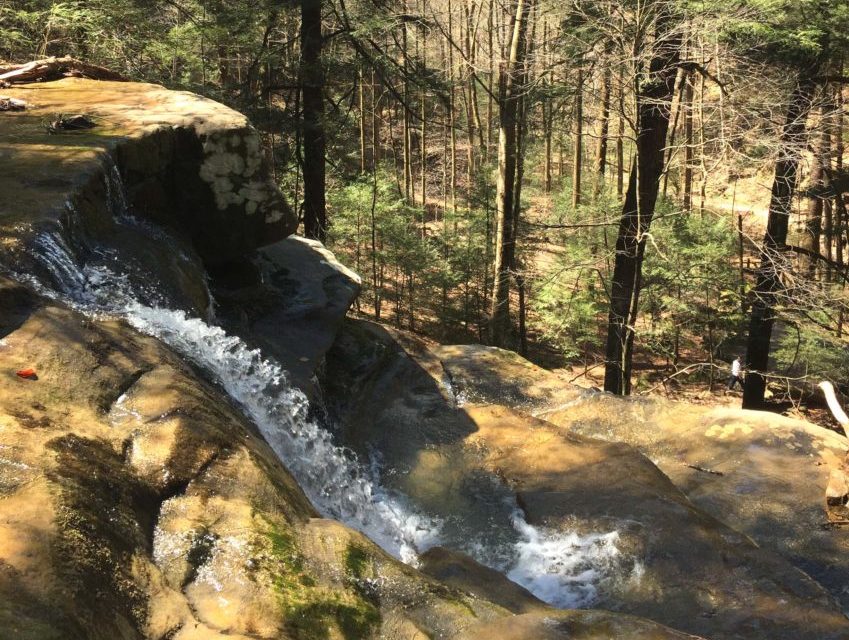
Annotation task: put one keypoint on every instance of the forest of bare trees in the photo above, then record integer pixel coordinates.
(640, 189)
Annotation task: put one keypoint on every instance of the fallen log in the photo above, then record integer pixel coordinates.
(55, 69)
(837, 491)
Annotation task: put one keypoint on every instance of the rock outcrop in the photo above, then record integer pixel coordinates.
(136, 502)
(434, 417)
(290, 301)
(185, 162)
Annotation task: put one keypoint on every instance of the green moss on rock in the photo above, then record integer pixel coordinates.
(313, 611)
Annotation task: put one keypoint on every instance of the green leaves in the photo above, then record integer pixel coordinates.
(802, 34)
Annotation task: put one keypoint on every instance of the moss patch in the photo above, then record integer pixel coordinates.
(315, 611)
(356, 561)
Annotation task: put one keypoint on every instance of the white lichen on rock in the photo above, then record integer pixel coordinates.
(232, 168)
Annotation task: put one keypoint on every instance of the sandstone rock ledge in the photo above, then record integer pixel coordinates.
(137, 503)
(188, 163)
(441, 418)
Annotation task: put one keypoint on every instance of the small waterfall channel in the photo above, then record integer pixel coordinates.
(560, 567)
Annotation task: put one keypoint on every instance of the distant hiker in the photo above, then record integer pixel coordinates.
(734, 378)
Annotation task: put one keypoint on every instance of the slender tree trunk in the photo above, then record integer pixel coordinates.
(653, 104)
(677, 102)
(545, 107)
(362, 103)
(375, 122)
(505, 183)
(452, 102)
(577, 137)
(768, 279)
(839, 210)
(620, 141)
(687, 106)
(312, 88)
(490, 83)
(408, 160)
(702, 154)
(521, 136)
(603, 126)
(423, 131)
(812, 224)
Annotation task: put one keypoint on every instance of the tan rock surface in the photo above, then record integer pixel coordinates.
(763, 474)
(680, 565)
(135, 502)
(574, 625)
(187, 162)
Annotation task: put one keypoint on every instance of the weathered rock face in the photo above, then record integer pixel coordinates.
(136, 502)
(573, 625)
(186, 162)
(290, 301)
(394, 395)
(763, 474)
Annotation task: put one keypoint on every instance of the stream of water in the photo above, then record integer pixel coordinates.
(562, 568)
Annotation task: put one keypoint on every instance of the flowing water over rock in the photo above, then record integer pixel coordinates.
(562, 568)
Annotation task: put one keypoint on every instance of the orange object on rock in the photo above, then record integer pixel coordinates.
(27, 373)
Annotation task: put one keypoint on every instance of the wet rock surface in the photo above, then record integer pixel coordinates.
(680, 564)
(187, 163)
(764, 475)
(136, 502)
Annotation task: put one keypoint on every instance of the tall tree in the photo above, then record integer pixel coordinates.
(603, 127)
(314, 140)
(768, 283)
(805, 38)
(653, 97)
(508, 105)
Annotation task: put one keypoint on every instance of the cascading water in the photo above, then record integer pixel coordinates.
(564, 569)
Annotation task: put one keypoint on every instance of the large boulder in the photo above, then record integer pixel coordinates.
(431, 416)
(183, 161)
(290, 301)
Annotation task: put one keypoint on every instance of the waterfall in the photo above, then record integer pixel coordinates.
(562, 568)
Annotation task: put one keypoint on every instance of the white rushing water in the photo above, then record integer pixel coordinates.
(562, 568)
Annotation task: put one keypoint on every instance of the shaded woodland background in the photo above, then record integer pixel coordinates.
(635, 191)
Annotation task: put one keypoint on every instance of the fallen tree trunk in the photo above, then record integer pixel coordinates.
(55, 69)
(837, 491)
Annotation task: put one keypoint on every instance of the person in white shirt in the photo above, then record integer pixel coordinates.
(736, 370)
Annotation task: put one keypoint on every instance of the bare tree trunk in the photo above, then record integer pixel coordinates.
(620, 141)
(490, 84)
(423, 131)
(812, 225)
(603, 126)
(577, 137)
(452, 100)
(362, 103)
(375, 122)
(677, 101)
(408, 160)
(687, 106)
